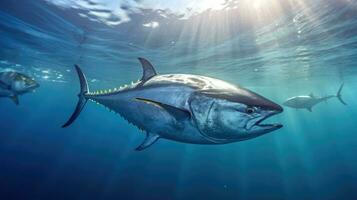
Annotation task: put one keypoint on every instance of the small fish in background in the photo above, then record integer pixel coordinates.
(13, 84)
(184, 107)
(307, 102)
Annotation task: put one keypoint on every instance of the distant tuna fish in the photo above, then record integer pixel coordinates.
(186, 108)
(13, 84)
(307, 102)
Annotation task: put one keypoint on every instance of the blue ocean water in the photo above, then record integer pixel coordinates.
(278, 48)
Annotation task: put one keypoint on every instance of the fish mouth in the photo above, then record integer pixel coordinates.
(275, 126)
(34, 86)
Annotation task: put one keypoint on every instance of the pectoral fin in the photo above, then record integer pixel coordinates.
(178, 113)
(4, 85)
(309, 109)
(15, 99)
(148, 141)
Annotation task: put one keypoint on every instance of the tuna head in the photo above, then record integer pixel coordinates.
(22, 83)
(227, 116)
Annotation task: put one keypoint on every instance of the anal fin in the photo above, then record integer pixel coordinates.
(148, 141)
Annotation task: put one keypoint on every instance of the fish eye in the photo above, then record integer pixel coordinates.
(249, 110)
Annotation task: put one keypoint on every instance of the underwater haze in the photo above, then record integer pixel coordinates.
(277, 48)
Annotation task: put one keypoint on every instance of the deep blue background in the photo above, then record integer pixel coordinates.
(312, 157)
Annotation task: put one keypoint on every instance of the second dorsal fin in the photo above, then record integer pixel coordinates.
(148, 69)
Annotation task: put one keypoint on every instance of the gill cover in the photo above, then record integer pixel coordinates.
(201, 106)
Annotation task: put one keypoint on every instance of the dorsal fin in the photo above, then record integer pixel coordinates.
(312, 95)
(148, 69)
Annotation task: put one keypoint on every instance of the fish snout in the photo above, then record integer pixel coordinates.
(278, 108)
(272, 107)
